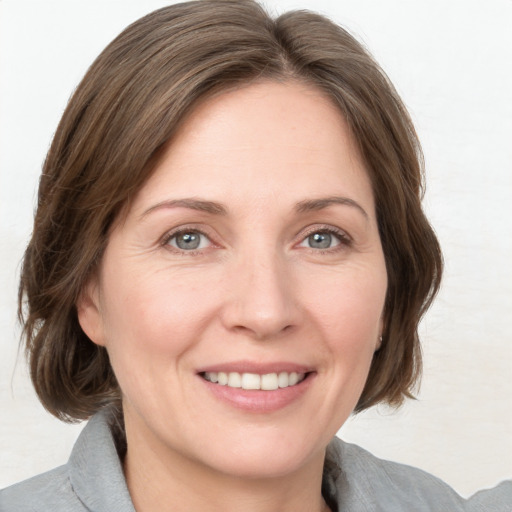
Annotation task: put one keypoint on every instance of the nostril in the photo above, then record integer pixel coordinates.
(261, 332)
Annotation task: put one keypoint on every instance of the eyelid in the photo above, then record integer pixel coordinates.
(344, 238)
(326, 228)
(190, 228)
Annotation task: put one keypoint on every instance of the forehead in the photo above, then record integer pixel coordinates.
(259, 140)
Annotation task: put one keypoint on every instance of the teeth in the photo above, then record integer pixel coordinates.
(234, 380)
(269, 382)
(251, 381)
(283, 380)
(266, 382)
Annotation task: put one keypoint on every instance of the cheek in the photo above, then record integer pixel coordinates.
(349, 309)
(155, 315)
(151, 324)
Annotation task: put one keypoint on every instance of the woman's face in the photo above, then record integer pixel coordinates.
(251, 256)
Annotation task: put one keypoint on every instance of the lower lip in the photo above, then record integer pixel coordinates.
(259, 401)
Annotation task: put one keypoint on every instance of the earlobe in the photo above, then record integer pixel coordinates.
(89, 313)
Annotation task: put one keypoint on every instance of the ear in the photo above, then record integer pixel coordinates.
(89, 312)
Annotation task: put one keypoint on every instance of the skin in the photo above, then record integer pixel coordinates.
(257, 290)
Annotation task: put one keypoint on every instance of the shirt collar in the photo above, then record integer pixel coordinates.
(95, 470)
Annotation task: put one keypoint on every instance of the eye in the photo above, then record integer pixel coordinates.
(323, 239)
(189, 240)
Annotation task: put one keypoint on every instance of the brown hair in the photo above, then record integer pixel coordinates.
(129, 105)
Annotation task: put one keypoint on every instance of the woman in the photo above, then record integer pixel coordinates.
(229, 257)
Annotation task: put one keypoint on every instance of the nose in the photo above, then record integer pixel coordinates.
(261, 300)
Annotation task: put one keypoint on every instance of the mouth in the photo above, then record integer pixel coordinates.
(259, 388)
(255, 381)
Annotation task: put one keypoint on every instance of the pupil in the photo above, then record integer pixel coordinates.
(320, 240)
(188, 241)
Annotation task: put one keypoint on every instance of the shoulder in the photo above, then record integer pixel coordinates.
(92, 479)
(369, 483)
(497, 499)
(48, 492)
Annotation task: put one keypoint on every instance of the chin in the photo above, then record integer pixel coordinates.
(264, 458)
(263, 466)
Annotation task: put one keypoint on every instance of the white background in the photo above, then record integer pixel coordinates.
(451, 60)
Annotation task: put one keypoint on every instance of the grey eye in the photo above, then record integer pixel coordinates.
(320, 240)
(189, 241)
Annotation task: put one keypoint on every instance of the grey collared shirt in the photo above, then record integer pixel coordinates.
(354, 481)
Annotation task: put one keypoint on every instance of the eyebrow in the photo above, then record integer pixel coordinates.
(215, 208)
(191, 203)
(323, 202)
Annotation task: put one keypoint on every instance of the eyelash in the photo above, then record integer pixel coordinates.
(344, 240)
(165, 242)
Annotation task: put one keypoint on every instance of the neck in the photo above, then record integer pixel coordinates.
(162, 479)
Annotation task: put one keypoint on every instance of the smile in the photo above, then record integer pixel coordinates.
(254, 381)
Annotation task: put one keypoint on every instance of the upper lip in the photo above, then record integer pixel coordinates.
(256, 367)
